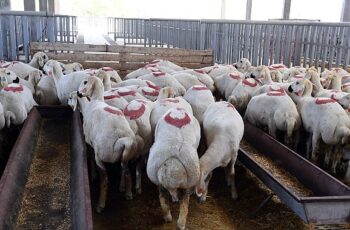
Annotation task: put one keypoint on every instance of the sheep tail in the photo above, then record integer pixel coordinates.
(290, 123)
(125, 148)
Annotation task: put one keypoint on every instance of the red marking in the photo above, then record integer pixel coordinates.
(235, 76)
(127, 93)
(229, 105)
(333, 97)
(299, 76)
(154, 93)
(198, 88)
(336, 69)
(152, 85)
(141, 100)
(277, 66)
(112, 96)
(151, 66)
(200, 191)
(134, 114)
(276, 93)
(199, 71)
(176, 121)
(107, 69)
(14, 88)
(5, 66)
(345, 77)
(154, 61)
(15, 62)
(320, 101)
(171, 100)
(113, 111)
(248, 83)
(158, 74)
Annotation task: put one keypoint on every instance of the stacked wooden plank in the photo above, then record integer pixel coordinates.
(122, 58)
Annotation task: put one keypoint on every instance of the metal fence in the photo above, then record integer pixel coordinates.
(130, 30)
(263, 42)
(18, 29)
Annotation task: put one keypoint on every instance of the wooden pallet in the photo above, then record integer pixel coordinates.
(122, 58)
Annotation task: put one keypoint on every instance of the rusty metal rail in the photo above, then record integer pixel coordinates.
(330, 202)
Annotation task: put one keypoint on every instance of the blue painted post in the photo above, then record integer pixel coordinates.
(50, 30)
(13, 48)
(25, 29)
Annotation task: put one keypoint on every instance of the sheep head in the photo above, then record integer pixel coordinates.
(3, 78)
(91, 87)
(243, 65)
(41, 58)
(301, 87)
(73, 100)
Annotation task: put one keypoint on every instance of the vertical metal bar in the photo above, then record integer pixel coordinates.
(333, 42)
(325, 49)
(298, 45)
(213, 41)
(224, 43)
(307, 42)
(26, 31)
(287, 55)
(266, 52)
(68, 30)
(347, 49)
(12, 28)
(246, 40)
(236, 43)
(2, 40)
(278, 41)
(340, 43)
(314, 31)
(50, 25)
(202, 36)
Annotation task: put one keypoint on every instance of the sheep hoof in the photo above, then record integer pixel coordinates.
(128, 196)
(202, 199)
(168, 218)
(99, 209)
(180, 226)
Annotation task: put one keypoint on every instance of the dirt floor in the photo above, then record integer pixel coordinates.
(218, 212)
(46, 198)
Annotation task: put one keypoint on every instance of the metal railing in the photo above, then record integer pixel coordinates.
(19, 28)
(263, 42)
(130, 30)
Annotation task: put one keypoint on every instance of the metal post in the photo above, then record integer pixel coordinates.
(5, 5)
(248, 14)
(286, 8)
(42, 5)
(29, 5)
(345, 13)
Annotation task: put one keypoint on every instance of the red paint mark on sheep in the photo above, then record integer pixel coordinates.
(229, 105)
(113, 111)
(321, 101)
(298, 76)
(155, 61)
(154, 93)
(199, 88)
(333, 97)
(151, 66)
(112, 96)
(346, 85)
(7, 65)
(178, 122)
(276, 66)
(199, 71)
(107, 69)
(345, 77)
(127, 93)
(158, 74)
(235, 76)
(276, 93)
(171, 100)
(248, 83)
(14, 88)
(152, 85)
(134, 114)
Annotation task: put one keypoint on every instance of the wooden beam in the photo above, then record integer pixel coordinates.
(286, 9)
(248, 14)
(345, 13)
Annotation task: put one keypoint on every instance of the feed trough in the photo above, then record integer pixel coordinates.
(326, 200)
(45, 182)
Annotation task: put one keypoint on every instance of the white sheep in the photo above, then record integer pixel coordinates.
(316, 113)
(275, 110)
(108, 132)
(187, 80)
(21, 69)
(148, 92)
(127, 93)
(71, 67)
(243, 65)
(242, 93)
(202, 77)
(33, 79)
(227, 82)
(199, 97)
(173, 163)
(140, 72)
(46, 93)
(223, 127)
(113, 74)
(138, 82)
(218, 70)
(38, 60)
(162, 79)
(159, 63)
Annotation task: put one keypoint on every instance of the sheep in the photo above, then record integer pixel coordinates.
(243, 65)
(162, 105)
(21, 69)
(22, 91)
(33, 79)
(187, 80)
(108, 132)
(276, 76)
(138, 82)
(71, 67)
(315, 114)
(38, 60)
(173, 163)
(223, 128)
(227, 82)
(163, 80)
(46, 93)
(199, 97)
(65, 84)
(148, 92)
(140, 72)
(112, 98)
(127, 94)
(202, 77)
(14, 109)
(277, 111)
(138, 113)
(289, 74)
(280, 67)
(218, 70)
(165, 63)
(113, 74)
(242, 93)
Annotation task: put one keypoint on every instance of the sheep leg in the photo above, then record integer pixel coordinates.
(308, 147)
(203, 198)
(227, 176)
(139, 167)
(272, 129)
(315, 145)
(122, 181)
(337, 155)
(103, 190)
(232, 179)
(327, 157)
(128, 181)
(164, 204)
(184, 201)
